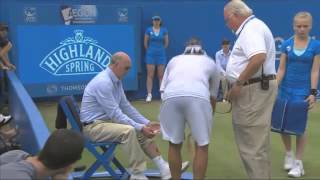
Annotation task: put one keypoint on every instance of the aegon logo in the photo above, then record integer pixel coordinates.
(75, 56)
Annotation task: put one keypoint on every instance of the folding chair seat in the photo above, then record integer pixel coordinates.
(106, 158)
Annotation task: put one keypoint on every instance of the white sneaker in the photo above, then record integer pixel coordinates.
(4, 119)
(166, 174)
(288, 161)
(297, 169)
(149, 98)
(138, 176)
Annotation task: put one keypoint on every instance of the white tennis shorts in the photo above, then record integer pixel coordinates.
(176, 112)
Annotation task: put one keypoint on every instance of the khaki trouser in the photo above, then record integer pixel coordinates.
(131, 140)
(251, 113)
(224, 87)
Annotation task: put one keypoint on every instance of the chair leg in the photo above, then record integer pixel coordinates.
(106, 159)
(124, 173)
(93, 168)
(118, 165)
(111, 171)
(101, 159)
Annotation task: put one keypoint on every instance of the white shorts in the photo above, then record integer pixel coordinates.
(176, 112)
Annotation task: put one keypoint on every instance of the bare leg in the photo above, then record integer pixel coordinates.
(200, 161)
(190, 146)
(286, 139)
(174, 156)
(301, 142)
(160, 71)
(150, 74)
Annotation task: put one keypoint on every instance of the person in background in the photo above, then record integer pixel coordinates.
(189, 99)
(251, 70)
(222, 58)
(298, 76)
(5, 46)
(156, 40)
(107, 115)
(61, 150)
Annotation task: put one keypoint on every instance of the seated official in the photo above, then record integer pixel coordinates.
(62, 149)
(107, 115)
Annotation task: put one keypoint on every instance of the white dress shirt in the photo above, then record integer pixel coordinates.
(254, 37)
(222, 59)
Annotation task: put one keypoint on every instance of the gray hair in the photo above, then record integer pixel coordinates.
(238, 8)
(193, 46)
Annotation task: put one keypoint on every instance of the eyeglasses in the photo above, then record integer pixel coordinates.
(156, 19)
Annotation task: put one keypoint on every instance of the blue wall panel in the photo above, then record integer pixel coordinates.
(64, 58)
(42, 38)
(202, 18)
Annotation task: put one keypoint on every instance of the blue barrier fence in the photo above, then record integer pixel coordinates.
(32, 128)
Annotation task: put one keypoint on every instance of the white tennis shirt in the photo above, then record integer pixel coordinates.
(190, 75)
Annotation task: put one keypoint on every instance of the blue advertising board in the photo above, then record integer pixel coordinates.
(203, 19)
(62, 59)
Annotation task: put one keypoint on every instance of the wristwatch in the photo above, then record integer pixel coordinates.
(314, 92)
(240, 82)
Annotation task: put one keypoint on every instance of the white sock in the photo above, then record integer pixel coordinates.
(289, 153)
(160, 162)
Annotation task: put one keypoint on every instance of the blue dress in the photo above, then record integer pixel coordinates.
(156, 53)
(296, 82)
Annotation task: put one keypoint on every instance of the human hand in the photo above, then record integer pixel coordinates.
(148, 131)
(3, 67)
(311, 101)
(161, 96)
(234, 92)
(155, 126)
(11, 66)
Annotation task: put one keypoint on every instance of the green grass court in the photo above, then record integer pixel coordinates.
(224, 160)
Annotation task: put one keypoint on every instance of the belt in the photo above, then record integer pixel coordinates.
(87, 123)
(259, 79)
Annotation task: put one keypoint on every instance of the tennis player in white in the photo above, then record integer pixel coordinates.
(189, 89)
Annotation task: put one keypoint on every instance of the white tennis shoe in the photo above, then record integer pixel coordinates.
(166, 174)
(297, 169)
(4, 119)
(149, 98)
(288, 161)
